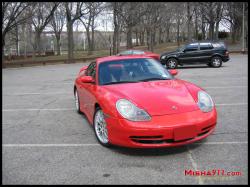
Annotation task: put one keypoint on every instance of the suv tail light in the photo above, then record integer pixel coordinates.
(227, 53)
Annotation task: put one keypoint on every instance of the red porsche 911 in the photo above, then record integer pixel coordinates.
(133, 101)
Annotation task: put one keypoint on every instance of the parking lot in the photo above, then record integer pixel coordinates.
(45, 141)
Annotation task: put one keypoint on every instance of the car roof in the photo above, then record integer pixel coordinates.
(115, 57)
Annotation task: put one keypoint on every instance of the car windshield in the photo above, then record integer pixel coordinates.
(181, 48)
(131, 71)
(132, 52)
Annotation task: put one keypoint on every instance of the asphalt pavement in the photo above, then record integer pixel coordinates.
(45, 141)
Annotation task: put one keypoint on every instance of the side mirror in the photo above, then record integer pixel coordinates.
(173, 72)
(83, 69)
(87, 79)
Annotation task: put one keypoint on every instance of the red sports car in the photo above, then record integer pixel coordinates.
(140, 52)
(133, 101)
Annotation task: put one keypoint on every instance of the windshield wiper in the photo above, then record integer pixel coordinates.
(119, 82)
(154, 78)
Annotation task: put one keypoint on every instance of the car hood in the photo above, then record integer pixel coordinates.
(156, 97)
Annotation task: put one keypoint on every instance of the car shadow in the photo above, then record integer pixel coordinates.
(197, 66)
(155, 151)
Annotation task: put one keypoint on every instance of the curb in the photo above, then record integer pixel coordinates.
(65, 61)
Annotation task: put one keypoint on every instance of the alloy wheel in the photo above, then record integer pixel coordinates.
(216, 62)
(101, 127)
(172, 63)
(77, 104)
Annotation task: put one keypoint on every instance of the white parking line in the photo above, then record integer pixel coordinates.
(38, 109)
(230, 104)
(223, 87)
(194, 165)
(96, 144)
(49, 145)
(48, 93)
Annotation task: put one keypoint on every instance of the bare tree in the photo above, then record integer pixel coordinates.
(73, 12)
(117, 21)
(13, 14)
(42, 16)
(131, 13)
(88, 20)
(233, 15)
(57, 23)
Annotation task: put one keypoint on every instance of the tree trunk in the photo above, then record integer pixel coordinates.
(129, 37)
(196, 25)
(142, 42)
(148, 38)
(92, 40)
(178, 31)
(217, 30)
(168, 31)
(38, 42)
(159, 36)
(151, 48)
(203, 28)
(17, 40)
(136, 37)
(89, 41)
(58, 45)
(92, 36)
(3, 45)
(188, 21)
(233, 35)
(116, 29)
(211, 30)
(70, 42)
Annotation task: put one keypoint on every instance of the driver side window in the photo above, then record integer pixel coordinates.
(191, 47)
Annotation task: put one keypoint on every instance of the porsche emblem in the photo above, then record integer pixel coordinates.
(174, 107)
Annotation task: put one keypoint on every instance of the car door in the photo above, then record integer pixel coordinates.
(87, 91)
(190, 53)
(206, 51)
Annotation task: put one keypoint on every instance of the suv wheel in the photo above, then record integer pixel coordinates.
(216, 62)
(172, 63)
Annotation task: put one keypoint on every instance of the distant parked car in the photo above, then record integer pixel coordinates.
(210, 53)
(140, 52)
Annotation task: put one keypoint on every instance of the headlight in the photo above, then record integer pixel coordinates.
(205, 102)
(131, 112)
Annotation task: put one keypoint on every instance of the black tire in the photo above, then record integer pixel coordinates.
(172, 63)
(103, 143)
(77, 101)
(216, 62)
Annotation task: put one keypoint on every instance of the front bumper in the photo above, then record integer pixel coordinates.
(225, 58)
(162, 131)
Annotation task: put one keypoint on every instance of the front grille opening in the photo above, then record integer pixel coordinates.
(148, 141)
(159, 141)
(207, 127)
(146, 137)
(177, 141)
(203, 133)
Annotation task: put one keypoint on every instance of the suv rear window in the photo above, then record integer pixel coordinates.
(216, 45)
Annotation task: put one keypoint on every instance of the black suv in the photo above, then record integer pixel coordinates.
(210, 53)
